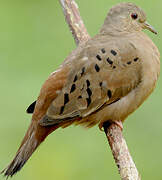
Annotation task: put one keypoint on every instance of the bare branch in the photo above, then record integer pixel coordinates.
(75, 22)
(123, 159)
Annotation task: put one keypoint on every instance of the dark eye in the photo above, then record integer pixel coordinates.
(134, 16)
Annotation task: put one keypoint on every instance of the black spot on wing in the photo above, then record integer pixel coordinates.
(109, 94)
(109, 61)
(79, 97)
(113, 52)
(83, 71)
(103, 50)
(31, 108)
(88, 83)
(99, 57)
(75, 78)
(136, 59)
(97, 68)
(129, 62)
(66, 98)
(100, 84)
(73, 87)
(88, 101)
(89, 92)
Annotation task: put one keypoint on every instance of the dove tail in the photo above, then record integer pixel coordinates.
(32, 139)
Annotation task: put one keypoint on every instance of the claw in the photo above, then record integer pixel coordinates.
(118, 123)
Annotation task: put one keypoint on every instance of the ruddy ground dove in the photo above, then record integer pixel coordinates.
(104, 79)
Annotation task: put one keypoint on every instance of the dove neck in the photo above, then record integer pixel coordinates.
(116, 27)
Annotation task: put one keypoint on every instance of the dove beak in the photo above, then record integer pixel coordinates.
(149, 27)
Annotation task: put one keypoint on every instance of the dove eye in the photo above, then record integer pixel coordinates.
(134, 16)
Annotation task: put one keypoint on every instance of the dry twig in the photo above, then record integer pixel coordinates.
(123, 159)
(75, 22)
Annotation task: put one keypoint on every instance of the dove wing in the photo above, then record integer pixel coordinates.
(100, 75)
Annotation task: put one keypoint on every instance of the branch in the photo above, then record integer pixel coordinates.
(123, 159)
(75, 22)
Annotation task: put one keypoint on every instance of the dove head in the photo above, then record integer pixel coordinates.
(125, 17)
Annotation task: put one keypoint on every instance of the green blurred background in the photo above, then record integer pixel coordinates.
(34, 40)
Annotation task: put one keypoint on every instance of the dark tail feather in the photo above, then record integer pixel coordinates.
(31, 141)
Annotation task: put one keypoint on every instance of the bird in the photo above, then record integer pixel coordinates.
(104, 79)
